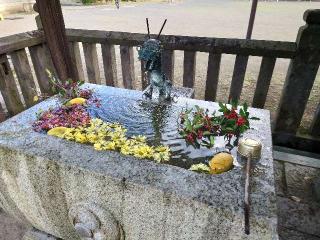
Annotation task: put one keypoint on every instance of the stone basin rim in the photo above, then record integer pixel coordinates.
(209, 186)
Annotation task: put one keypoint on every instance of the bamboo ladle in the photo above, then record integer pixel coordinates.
(250, 149)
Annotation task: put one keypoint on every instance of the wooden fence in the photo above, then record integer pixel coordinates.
(304, 55)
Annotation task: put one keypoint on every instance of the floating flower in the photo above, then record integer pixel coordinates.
(79, 100)
(65, 116)
(112, 136)
(57, 131)
(201, 167)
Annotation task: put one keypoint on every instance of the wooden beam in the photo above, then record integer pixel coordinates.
(276, 49)
(19, 41)
(53, 25)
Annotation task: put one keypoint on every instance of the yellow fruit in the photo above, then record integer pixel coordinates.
(1, 17)
(80, 101)
(57, 131)
(222, 162)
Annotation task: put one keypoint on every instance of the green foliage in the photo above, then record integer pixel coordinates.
(199, 128)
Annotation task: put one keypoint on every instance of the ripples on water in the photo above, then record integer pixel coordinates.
(158, 122)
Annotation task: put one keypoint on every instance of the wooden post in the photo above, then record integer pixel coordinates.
(301, 75)
(53, 25)
(251, 19)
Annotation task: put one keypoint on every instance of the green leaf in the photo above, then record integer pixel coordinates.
(212, 140)
(221, 105)
(197, 126)
(242, 113)
(188, 125)
(245, 107)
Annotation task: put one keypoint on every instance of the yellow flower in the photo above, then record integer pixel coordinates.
(98, 146)
(92, 138)
(80, 101)
(112, 136)
(57, 132)
(69, 135)
(110, 146)
(126, 149)
(161, 157)
(80, 137)
(143, 151)
(139, 138)
(162, 149)
(201, 167)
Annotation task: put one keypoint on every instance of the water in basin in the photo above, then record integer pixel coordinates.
(158, 122)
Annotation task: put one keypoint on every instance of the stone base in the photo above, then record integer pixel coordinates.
(35, 234)
(70, 190)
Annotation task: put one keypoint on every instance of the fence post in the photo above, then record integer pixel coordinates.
(53, 25)
(301, 74)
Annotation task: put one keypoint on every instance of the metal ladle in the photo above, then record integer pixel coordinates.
(250, 149)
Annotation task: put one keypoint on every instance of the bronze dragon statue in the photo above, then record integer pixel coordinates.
(150, 53)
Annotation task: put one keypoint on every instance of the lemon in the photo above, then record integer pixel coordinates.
(80, 101)
(222, 162)
(57, 131)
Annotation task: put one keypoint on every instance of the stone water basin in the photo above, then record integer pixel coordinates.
(70, 190)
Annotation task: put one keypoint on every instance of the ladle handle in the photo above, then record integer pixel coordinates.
(246, 197)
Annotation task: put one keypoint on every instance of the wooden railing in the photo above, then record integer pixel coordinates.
(18, 85)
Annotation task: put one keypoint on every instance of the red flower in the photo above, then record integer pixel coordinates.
(200, 134)
(241, 121)
(190, 138)
(232, 115)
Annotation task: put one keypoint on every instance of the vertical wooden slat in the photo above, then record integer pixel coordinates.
(212, 76)
(144, 76)
(239, 72)
(8, 87)
(315, 126)
(24, 74)
(109, 64)
(41, 61)
(91, 58)
(76, 60)
(127, 62)
(263, 83)
(168, 64)
(189, 68)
